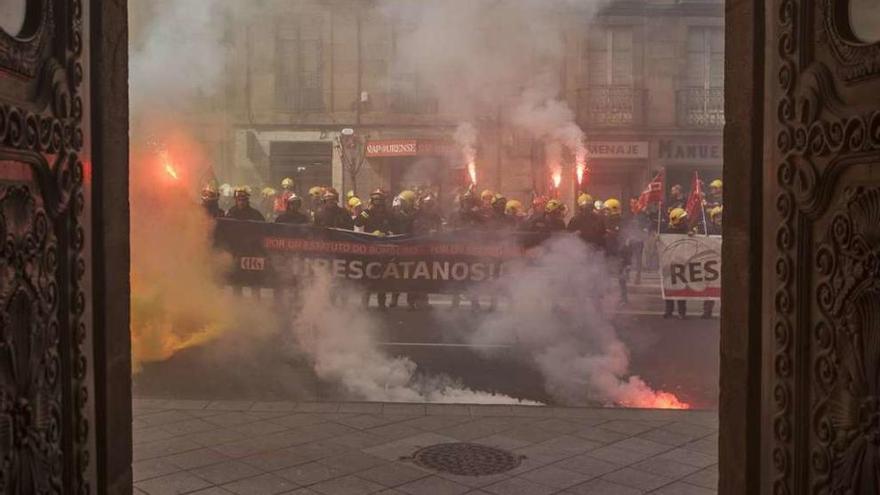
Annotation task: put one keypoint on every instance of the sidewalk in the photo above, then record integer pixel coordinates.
(214, 448)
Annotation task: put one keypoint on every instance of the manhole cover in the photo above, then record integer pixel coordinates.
(466, 459)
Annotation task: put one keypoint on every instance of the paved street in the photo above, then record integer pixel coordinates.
(332, 448)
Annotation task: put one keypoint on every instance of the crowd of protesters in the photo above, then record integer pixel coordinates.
(415, 211)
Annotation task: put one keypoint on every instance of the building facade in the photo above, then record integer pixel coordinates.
(644, 78)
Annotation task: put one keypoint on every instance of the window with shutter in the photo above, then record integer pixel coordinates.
(299, 52)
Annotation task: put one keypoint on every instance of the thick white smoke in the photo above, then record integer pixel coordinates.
(553, 312)
(341, 341)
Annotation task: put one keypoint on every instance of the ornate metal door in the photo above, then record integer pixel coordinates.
(821, 421)
(46, 433)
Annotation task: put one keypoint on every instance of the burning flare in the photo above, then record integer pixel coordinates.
(168, 164)
(472, 171)
(557, 178)
(579, 170)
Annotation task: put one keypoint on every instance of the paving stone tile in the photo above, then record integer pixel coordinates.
(392, 474)
(491, 410)
(225, 472)
(502, 441)
(163, 448)
(600, 435)
(183, 404)
(148, 403)
(189, 426)
(394, 432)
(708, 445)
(219, 436)
(318, 407)
(555, 477)
(706, 478)
(543, 455)
(150, 434)
(309, 473)
(587, 465)
(275, 406)
(569, 445)
(447, 410)
(352, 462)
(264, 484)
(214, 490)
(348, 485)
(196, 458)
(159, 418)
(318, 450)
(433, 423)
(249, 447)
(406, 447)
(474, 481)
(259, 428)
(358, 440)
(433, 485)
(518, 486)
(666, 467)
(404, 409)
(680, 488)
(302, 491)
(232, 418)
(299, 419)
(636, 478)
(366, 421)
(531, 434)
(275, 460)
(137, 424)
(533, 411)
(558, 426)
(619, 456)
(697, 431)
(690, 457)
(641, 445)
(626, 427)
(172, 484)
(361, 407)
(231, 405)
(152, 468)
(202, 413)
(665, 437)
(602, 487)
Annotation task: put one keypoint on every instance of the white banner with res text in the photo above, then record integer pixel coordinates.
(690, 266)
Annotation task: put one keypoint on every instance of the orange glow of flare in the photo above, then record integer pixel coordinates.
(557, 179)
(579, 170)
(658, 400)
(168, 165)
(472, 171)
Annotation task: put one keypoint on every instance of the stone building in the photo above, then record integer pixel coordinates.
(644, 79)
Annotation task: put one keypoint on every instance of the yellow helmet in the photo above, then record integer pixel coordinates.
(612, 206)
(585, 199)
(676, 216)
(716, 184)
(268, 192)
(287, 183)
(553, 206)
(513, 207)
(350, 194)
(407, 196)
(354, 202)
(242, 192)
(316, 191)
(487, 195)
(715, 213)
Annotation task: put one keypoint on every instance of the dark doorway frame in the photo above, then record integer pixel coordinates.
(739, 406)
(108, 85)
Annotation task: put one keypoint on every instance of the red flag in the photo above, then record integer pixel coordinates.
(653, 193)
(695, 200)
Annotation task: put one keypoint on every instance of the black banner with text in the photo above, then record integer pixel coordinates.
(277, 255)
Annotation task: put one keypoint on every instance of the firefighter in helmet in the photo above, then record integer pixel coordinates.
(211, 201)
(715, 196)
(287, 190)
(678, 224)
(242, 209)
(355, 206)
(514, 211)
(405, 213)
(551, 220)
(589, 225)
(316, 200)
(499, 219)
(469, 214)
(376, 219)
(331, 215)
(617, 246)
(293, 213)
(428, 218)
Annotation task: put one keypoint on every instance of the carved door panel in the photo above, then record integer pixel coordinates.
(46, 434)
(821, 418)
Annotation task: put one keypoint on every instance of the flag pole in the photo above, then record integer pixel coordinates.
(702, 204)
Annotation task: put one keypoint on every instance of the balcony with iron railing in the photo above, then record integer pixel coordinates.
(611, 106)
(701, 108)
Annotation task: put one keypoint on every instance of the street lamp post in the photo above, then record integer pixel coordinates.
(352, 150)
